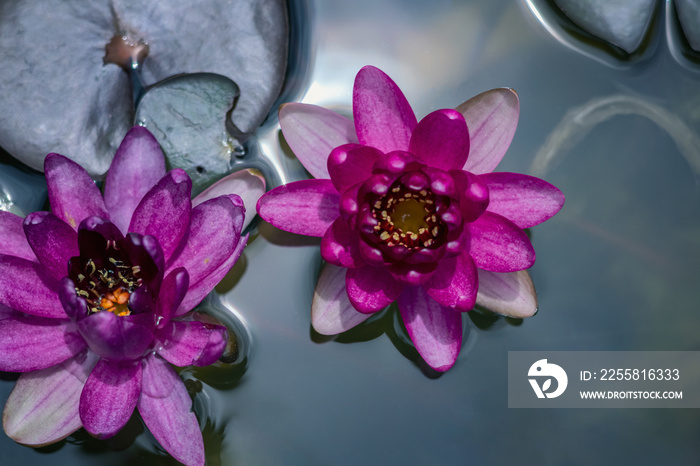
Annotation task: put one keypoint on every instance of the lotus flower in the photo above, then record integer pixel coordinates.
(410, 212)
(95, 299)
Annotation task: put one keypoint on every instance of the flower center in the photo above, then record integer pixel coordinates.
(107, 284)
(407, 218)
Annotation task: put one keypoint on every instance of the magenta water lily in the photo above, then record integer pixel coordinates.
(95, 299)
(411, 211)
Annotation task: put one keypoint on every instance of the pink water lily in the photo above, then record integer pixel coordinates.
(95, 299)
(411, 212)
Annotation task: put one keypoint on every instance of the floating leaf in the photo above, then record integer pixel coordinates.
(188, 115)
(620, 22)
(689, 16)
(56, 50)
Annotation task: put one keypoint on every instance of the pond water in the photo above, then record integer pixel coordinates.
(617, 268)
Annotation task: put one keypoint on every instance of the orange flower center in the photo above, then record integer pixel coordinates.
(108, 288)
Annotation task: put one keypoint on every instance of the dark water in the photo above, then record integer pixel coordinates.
(617, 268)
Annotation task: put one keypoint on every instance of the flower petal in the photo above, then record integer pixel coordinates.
(165, 407)
(43, 407)
(247, 184)
(306, 207)
(164, 212)
(492, 118)
(14, 242)
(441, 140)
(196, 292)
(171, 294)
(137, 166)
(435, 330)
(72, 193)
(331, 309)
(109, 397)
(371, 289)
(213, 234)
(383, 117)
(75, 306)
(340, 245)
(27, 287)
(186, 343)
(115, 338)
(29, 343)
(413, 274)
(312, 132)
(510, 294)
(54, 242)
(498, 245)
(454, 284)
(524, 200)
(350, 164)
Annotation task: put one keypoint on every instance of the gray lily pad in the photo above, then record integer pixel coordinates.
(689, 16)
(188, 115)
(621, 22)
(59, 96)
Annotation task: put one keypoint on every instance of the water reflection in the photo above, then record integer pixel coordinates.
(299, 402)
(22, 190)
(579, 121)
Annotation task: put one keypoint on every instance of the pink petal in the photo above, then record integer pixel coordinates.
(454, 284)
(166, 409)
(196, 292)
(137, 166)
(72, 193)
(510, 294)
(306, 207)
(187, 343)
(441, 140)
(383, 117)
(213, 234)
(109, 397)
(53, 241)
(331, 310)
(116, 338)
(43, 407)
(164, 212)
(27, 287)
(498, 245)
(413, 274)
(29, 343)
(524, 200)
(340, 245)
(350, 164)
(492, 118)
(371, 289)
(312, 132)
(14, 242)
(171, 294)
(435, 330)
(247, 184)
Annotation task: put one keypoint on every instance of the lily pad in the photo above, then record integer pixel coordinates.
(689, 16)
(621, 22)
(188, 115)
(55, 50)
